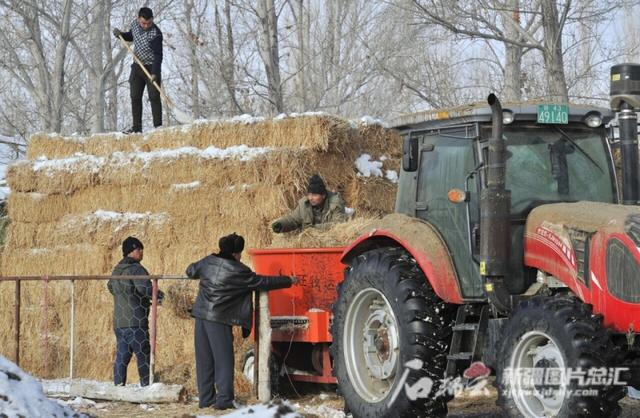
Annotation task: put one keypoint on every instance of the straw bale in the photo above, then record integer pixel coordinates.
(378, 140)
(110, 228)
(338, 235)
(77, 259)
(371, 196)
(55, 176)
(57, 146)
(52, 146)
(20, 177)
(30, 235)
(178, 256)
(315, 132)
(37, 207)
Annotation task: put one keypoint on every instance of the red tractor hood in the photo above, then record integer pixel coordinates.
(571, 242)
(584, 216)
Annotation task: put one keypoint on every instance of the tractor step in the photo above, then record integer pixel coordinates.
(467, 338)
(460, 356)
(466, 327)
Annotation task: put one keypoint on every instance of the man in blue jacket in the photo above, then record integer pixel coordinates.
(224, 300)
(147, 41)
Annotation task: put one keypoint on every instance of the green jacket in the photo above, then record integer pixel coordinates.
(305, 215)
(131, 298)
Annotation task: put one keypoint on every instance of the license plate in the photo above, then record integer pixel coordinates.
(553, 113)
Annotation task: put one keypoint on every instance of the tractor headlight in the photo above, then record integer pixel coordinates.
(507, 117)
(593, 120)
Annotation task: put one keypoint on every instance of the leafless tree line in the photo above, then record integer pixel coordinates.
(62, 70)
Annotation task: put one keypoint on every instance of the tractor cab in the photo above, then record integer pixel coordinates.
(554, 153)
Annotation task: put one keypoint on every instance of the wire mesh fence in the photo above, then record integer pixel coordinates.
(108, 320)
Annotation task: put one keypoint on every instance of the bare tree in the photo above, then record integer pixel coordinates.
(25, 47)
(268, 48)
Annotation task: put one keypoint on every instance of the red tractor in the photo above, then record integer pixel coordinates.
(512, 246)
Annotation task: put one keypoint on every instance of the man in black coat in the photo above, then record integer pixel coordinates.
(224, 300)
(131, 302)
(147, 45)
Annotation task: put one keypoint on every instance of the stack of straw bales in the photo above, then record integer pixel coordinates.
(177, 189)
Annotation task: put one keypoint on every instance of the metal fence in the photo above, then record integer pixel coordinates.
(41, 328)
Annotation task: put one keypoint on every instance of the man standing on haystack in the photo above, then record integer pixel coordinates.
(131, 302)
(319, 208)
(147, 41)
(224, 300)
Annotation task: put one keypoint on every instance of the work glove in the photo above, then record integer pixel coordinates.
(277, 227)
(117, 33)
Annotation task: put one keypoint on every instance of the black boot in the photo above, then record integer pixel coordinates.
(132, 130)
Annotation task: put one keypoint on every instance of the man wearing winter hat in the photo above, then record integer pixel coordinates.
(224, 300)
(131, 302)
(318, 208)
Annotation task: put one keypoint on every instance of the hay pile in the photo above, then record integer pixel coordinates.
(177, 189)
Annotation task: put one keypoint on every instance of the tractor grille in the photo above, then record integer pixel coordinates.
(623, 272)
(580, 243)
(632, 228)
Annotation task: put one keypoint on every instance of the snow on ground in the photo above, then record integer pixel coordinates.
(273, 409)
(325, 411)
(22, 395)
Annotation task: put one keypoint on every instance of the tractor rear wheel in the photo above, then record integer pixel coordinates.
(390, 331)
(546, 341)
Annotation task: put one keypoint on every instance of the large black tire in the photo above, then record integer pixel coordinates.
(555, 332)
(386, 294)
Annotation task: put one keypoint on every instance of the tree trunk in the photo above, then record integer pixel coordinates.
(269, 52)
(96, 79)
(513, 57)
(552, 52)
(59, 66)
(297, 8)
(193, 40)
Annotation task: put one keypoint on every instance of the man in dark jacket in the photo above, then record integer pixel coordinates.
(318, 209)
(224, 300)
(131, 300)
(147, 45)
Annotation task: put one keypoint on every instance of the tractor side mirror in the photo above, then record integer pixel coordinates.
(410, 153)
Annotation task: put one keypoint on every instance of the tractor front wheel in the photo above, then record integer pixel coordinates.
(554, 361)
(390, 334)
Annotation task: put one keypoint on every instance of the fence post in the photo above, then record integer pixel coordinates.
(72, 331)
(256, 341)
(17, 323)
(264, 349)
(152, 336)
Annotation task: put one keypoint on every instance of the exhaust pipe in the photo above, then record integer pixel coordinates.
(495, 208)
(625, 99)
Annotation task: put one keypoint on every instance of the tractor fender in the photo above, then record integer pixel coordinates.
(422, 241)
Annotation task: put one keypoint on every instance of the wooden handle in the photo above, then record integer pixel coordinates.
(135, 57)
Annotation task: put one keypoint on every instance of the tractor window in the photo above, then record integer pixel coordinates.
(547, 164)
(442, 168)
